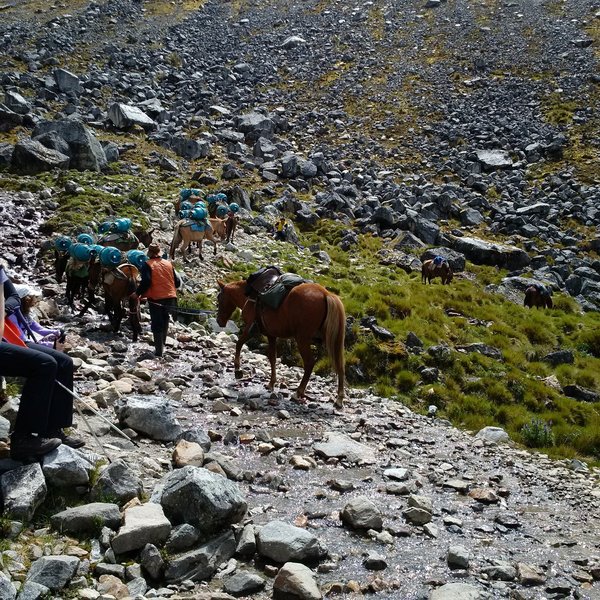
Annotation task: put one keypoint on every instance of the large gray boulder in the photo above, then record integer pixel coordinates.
(87, 519)
(295, 581)
(255, 125)
(482, 252)
(30, 158)
(22, 491)
(204, 499)
(15, 102)
(338, 445)
(7, 589)
(150, 416)
(491, 160)
(117, 483)
(144, 524)
(361, 513)
(124, 116)
(85, 150)
(201, 563)
(283, 542)
(190, 149)
(67, 81)
(9, 119)
(456, 591)
(53, 571)
(66, 467)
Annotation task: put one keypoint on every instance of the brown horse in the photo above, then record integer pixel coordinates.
(535, 297)
(183, 231)
(118, 285)
(219, 227)
(430, 271)
(230, 226)
(309, 311)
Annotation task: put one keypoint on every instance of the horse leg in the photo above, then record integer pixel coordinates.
(272, 354)
(200, 249)
(238, 349)
(308, 360)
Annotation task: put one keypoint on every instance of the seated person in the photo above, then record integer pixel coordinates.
(53, 338)
(280, 230)
(45, 408)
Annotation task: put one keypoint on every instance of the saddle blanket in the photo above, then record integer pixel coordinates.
(196, 225)
(116, 238)
(274, 296)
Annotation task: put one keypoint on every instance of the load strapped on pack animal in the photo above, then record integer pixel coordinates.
(118, 233)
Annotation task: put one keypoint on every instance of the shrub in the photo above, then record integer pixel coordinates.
(589, 341)
(406, 381)
(537, 434)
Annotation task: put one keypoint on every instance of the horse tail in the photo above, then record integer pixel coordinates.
(549, 303)
(527, 300)
(176, 241)
(335, 332)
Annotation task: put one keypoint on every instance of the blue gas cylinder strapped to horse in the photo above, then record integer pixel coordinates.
(105, 227)
(186, 193)
(137, 258)
(234, 207)
(211, 199)
(186, 205)
(96, 249)
(80, 252)
(110, 257)
(221, 197)
(122, 225)
(185, 214)
(200, 203)
(222, 211)
(199, 213)
(85, 238)
(62, 243)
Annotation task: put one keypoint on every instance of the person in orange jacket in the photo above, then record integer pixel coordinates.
(159, 285)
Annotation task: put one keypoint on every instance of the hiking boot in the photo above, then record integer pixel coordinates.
(66, 439)
(26, 445)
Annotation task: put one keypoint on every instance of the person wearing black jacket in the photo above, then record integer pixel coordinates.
(45, 408)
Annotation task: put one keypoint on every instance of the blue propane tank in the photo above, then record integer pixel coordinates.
(96, 249)
(110, 257)
(186, 193)
(62, 243)
(221, 211)
(199, 213)
(80, 252)
(221, 197)
(122, 225)
(184, 214)
(137, 258)
(186, 205)
(105, 227)
(234, 207)
(200, 203)
(85, 238)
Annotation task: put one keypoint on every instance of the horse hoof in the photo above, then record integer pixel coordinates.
(239, 373)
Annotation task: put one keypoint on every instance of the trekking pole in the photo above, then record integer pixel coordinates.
(80, 399)
(98, 443)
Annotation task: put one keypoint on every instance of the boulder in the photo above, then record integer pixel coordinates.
(53, 571)
(66, 467)
(295, 581)
(190, 149)
(124, 116)
(7, 589)
(204, 499)
(292, 42)
(361, 513)
(15, 102)
(491, 160)
(9, 119)
(201, 563)
(144, 524)
(244, 583)
(150, 416)
(338, 445)
(117, 483)
(85, 150)
(30, 157)
(87, 519)
(67, 81)
(482, 252)
(6, 152)
(456, 591)
(283, 542)
(255, 125)
(493, 435)
(22, 490)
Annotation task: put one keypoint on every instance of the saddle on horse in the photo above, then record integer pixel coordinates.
(269, 286)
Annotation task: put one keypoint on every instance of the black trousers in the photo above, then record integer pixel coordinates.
(159, 318)
(44, 405)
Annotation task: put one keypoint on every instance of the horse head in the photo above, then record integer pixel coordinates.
(225, 304)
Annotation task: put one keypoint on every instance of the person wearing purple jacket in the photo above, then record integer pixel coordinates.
(26, 323)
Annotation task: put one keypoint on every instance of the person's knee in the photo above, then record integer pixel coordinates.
(46, 364)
